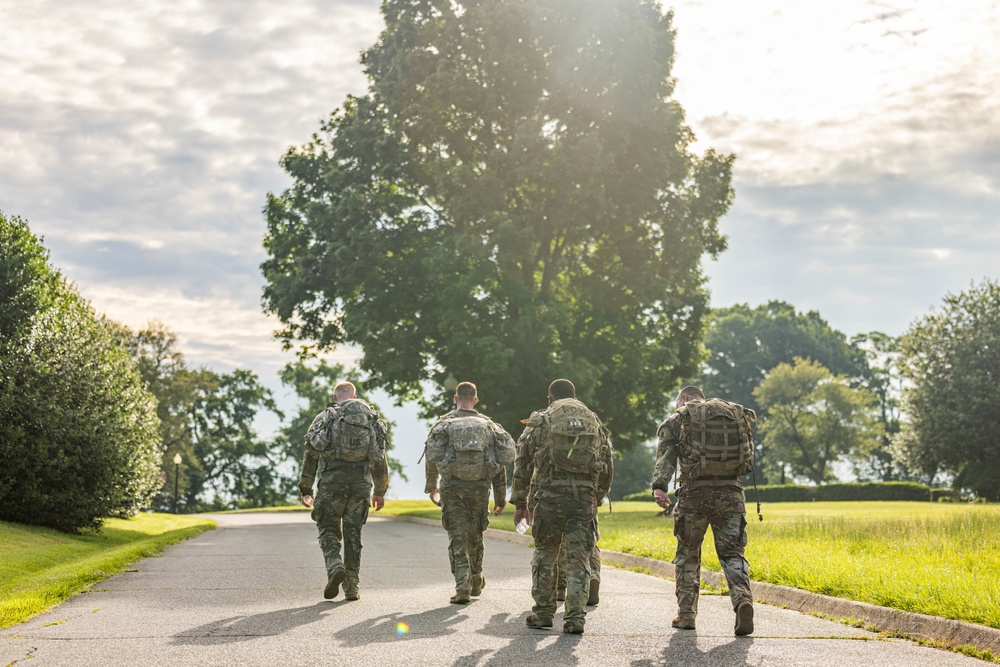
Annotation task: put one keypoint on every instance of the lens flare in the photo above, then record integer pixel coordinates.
(402, 629)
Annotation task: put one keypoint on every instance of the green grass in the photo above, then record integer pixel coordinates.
(40, 567)
(940, 559)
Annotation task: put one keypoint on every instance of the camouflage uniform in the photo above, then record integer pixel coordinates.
(562, 511)
(595, 560)
(342, 501)
(464, 506)
(722, 506)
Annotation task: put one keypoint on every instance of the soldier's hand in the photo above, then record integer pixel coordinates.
(522, 514)
(378, 502)
(661, 498)
(307, 500)
(498, 508)
(435, 496)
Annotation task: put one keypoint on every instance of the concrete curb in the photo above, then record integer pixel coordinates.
(915, 626)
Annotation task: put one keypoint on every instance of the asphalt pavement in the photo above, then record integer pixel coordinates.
(251, 593)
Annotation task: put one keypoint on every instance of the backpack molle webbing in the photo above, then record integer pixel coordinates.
(346, 433)
(469, 442)
(573, 443)
(718, 436)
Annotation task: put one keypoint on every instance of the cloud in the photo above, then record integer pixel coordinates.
(868, 157)
(140, 141)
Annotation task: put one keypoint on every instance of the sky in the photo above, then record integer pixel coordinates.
(141, 139)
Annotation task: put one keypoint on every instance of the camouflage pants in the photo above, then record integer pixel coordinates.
(595, 560)
(559, 520)
(340, 511)
(696, 509)
(465, 515)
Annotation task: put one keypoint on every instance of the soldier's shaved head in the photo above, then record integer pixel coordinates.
(692, 391)
(465, 391)
(344, 391)
(689, 393)
(562, 389)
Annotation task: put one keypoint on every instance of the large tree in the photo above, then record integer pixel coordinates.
(744, 343)
(951, 361)
(815, 419)
(883, 379)
(207, 418)
(513, 200)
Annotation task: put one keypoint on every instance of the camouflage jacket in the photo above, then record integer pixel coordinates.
(376, 473)
(431, 473)
(528, 485)
(668, 438)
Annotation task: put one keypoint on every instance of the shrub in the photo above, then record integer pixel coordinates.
(844, 491)
(646, 496)
(79, 431)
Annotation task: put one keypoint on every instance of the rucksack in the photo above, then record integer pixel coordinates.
(467, 454)
(346, 432)
(572, 447)
(476, 448)
(716, 439)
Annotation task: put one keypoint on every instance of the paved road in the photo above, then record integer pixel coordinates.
(250, 593)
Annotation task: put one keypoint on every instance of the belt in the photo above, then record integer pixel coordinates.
(713, 481)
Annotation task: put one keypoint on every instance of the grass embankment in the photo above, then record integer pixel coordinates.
(937, 559)
(41, 567)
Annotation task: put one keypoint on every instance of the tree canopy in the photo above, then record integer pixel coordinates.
(208, 418)
(745, 343)
(815, 419)
(513, 200)
(951, 361)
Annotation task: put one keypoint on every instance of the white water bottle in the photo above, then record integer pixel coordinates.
(522, 526)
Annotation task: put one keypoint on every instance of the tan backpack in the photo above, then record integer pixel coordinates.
(346, 432)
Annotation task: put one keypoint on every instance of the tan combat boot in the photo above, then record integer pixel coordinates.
(538, 621)
(683, 622)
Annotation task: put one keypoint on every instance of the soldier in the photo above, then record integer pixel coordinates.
(349, 438)
(469, 452)
(710, 442)
(562, 471)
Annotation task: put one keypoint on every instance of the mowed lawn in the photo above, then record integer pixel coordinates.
(941, 559)
(41, 567)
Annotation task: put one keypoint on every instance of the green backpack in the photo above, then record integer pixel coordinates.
(716, 439)
(573, 444)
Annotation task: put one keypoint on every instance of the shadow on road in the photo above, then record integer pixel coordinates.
(242, 628)
(400, 627)
(682, 649)
(525, 645)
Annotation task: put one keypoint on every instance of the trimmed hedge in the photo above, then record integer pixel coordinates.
(646, 496)
(840, 491)
(846, 491)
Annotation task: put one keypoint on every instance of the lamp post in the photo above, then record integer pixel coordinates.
(177, 477)
(450, 382)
